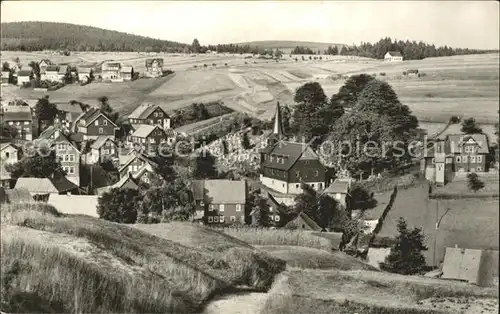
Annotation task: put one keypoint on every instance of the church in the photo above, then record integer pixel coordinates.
(286, 165)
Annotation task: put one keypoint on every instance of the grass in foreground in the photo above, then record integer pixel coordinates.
(67, 264)
(256, 236)
(332, 292)
(304, 257)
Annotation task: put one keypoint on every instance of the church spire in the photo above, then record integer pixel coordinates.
(278, 127)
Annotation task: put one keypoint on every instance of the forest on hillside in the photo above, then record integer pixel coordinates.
(411, 50)
(36, 36)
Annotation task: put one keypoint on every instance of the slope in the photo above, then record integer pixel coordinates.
(283, 44)
(32, 36)
(73, 264)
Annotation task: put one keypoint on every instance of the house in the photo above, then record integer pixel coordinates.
(456, 154)
(67, 151)
(68, 113)
(44, 64)
(136, 162)
(51, 73)
(126, 182)
(5, 78)
(111, 71)
(222, 201)
(277, 213)
(85, 74)
(5, 177)
(154, 67)
(20, 118)
(285, 165)
(150, 137)
(93, 123)
(392, 56)
(43, 187)
(340, 191)
(470, 265)
(15, 196)
(9, 153)
(24, 76)
(75, 204)
(150, 114)
(303, 222)
(103, 148)
(127, 73)
(63, 72)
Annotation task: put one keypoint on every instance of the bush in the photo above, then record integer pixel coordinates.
(195, 66)
(428, 95)
(225, 64)
(382, 73)
(213, 64)
(246, 62)
(474, 183)
(404, 73)
(205, 65)
(454, 119)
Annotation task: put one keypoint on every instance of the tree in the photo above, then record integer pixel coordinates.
(362, 198)
(107, 109)
(321, 208)
(474, 183)
(260, 208)
(348, 94)
(38, 166)
(36, 68)
(195, 46)
(406, 256)
(469, 126)
(119, 205)
(6, 66)
(45, 112)
(204, 166)
(245, 141)
(8, 131)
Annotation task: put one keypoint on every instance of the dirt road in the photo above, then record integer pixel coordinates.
(240, 303)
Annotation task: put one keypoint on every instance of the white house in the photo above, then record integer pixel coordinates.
(393, 56)
(9, 153)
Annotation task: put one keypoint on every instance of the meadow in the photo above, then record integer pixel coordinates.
(74, 264)
(466, 86)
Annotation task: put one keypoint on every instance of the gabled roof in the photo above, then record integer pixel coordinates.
(149, 62)
(145, 129)
(47, 61)
(25, 72)
(395, 53)
(338, 187)
(277, 206)
(100, 141)
(305, 219)
(463, 264)
(107, 66)
(68, 107)
(17, 113)
(75, 204)
(91, 115)
(128, 179)
(63, 69)
(6, 145)
(220, 191)
(127, 69)
(144, 111)
(456, 141)
(84, 69)
(141, 156)
(45, 185)
(292, 153)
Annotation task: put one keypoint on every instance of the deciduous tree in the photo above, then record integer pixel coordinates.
(469, 126)
(119, 205)
(474, 183)
(45, 165)
(45, 112)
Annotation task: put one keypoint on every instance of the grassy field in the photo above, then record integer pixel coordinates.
(477, 217)
(367, 292)
(75, 264)
(467, 86)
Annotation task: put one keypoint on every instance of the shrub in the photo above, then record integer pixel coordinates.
(213, 64)
(205, 65)
(225, 64)
(474, 183)
(246, 62)
(454, 119)
(404, 73)
(428, 95)
(382, 73)
(195, 66)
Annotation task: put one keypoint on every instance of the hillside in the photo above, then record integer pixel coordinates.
(34, 36)
(290, 44)
(56, 263)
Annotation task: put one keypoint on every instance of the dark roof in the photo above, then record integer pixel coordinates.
(395, 53)
(68, 107)
(338, 187)
(24, 73)
(54, 68)
(64, 185)
(99, 142)
(17, 115)
(453, 143)
(90, 115)
(149, 62)
(45, 185)
(220, 191)
(46, 61)
(306, 220)
(135, 154)
(84, 69)
(291, 152)
(275, 204)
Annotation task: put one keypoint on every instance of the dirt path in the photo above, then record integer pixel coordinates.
(240, 303)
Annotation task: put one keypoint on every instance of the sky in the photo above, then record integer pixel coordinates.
(460, 24)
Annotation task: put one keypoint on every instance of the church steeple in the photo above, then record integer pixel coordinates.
(278, 127)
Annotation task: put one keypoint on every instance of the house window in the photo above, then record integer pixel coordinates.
(238, 207)
(458, 159)
(101, 131)
(479, 169)
(271, 209)
(464, 159)
(210, 218)
(96, 122)
(242, 219)
(233, 219)
(156, 114)
(221, 219)
(320, 185)
(297, 186)
(160, 114)
(201, 203)
(216, 218)
(277, 218)
(26, 122)
(212, 207)
(312, 185)
(66, 157)
(151, 121)
(473, 159)
(71, 157)
(479, 158)
(221, 207)
(316, 173)
(433, 160)
(337, 196)
(105, 122)
(71, 170)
